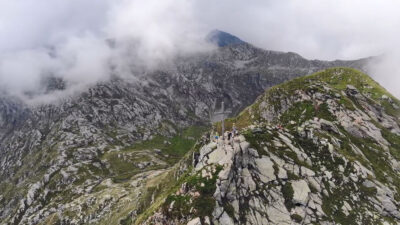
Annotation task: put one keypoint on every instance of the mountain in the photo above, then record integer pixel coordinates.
(91, 157)
(321, 149)
(222, 39)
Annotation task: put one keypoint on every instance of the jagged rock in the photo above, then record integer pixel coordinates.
(307, 172)
(248, 182)
(314, 183)
(282, 174)
(225, 219)
(266, 170)
(216, 156)
(346, 208)
(301, 191)
(276, 211)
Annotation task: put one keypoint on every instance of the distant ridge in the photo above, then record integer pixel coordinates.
(221, 38)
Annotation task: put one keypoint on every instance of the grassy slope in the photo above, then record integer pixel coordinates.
(163, 187)
(337, 79)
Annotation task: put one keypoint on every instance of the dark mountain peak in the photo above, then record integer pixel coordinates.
(222, 38)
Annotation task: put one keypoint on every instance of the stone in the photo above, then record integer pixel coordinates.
(314, 183)
(195, 221)
(301, 190)
(207, 220)
(265, 167)
(253, 152)
(224, 174)
(306, 172)
(241, 138)
(244, 145)
(311, 204)
(341, 168)
(346, 208)
(225, 219)
(248, 182)
(278, 214)
(282, 174)
(216, 156)
(328, 175)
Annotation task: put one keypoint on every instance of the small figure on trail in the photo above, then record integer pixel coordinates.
(234, 130)
(229, 136)
(216, 136)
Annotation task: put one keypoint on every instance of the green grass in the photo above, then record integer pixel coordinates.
(297, 218)
(176, 147)
(287, 192)
(336, 78)
(180, 146)
(202, 205)
(123, 170)
(124, 164)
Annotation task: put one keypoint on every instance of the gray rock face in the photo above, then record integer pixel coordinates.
(265, 165)
(37, 142)
(318, 156)
(301, 191)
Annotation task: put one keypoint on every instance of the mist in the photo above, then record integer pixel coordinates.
(80, 41)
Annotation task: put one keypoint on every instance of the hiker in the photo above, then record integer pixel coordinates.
(234, 131)
(216, 136)
(229, 136)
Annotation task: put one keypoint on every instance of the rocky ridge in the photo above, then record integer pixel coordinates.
(323, 149)
(60, 157)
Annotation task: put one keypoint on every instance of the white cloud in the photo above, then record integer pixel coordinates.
(80, 40)
(68, 37)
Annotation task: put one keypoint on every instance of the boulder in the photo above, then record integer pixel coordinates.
(265, 168)
(195, 221)
(300, 192)
(225, 219)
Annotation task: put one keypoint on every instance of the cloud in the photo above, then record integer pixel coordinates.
(81, 40)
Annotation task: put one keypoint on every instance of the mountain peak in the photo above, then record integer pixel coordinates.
(221, 38)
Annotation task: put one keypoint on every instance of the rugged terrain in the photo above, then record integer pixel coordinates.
(94, 157)
(321, 149)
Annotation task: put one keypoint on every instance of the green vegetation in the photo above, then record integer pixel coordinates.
(303, 111)
(288, 192)
(336, 78)
(176, 147)
(180, 206)
(297, 218)
(160, 193)
(203, 205)
(165, 186)
(124, 164)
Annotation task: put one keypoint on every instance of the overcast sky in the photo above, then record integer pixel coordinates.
(66, 37)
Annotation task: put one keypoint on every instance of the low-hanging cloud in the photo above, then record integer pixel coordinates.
(85, 41)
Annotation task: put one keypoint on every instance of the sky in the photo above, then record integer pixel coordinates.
(80, 40)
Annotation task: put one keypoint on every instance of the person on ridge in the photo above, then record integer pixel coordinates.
(234, 130)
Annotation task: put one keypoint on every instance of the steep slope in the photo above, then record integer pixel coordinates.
(321, 149)
(59, 157)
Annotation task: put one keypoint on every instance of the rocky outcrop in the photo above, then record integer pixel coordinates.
(65, 150)
(303, 164)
